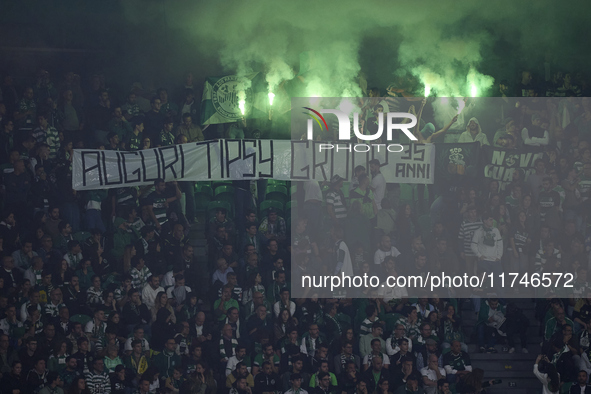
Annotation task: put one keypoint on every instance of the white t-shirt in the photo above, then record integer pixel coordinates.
(149, 295)
(168, 280)
(379, 256)
(312, 191)
(277, 307)
(145, 344)
(392, 346)
(169, 291)
(378, 184)
(186, 108)
(432, 376)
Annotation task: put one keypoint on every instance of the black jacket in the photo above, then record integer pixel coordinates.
(371, 383)
(135, 316)
(264, 383)
(11, 356)
(576, 389)
(11, 382)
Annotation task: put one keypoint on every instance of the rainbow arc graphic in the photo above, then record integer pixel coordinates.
(316, 116)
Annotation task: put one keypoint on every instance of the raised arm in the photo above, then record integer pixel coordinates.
(417, 131)
(443, 130)
(177, 193)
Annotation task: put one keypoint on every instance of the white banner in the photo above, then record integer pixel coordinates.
(246, 159)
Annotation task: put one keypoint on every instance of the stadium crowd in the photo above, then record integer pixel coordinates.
(106, 291)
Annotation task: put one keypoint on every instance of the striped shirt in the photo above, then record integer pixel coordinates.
(119, 293)
(465, 235)
(126, 195)
(53, 140)
(94, 296)
(39, 135)
(584, 186)
(366, 326)
(158, 203)
(335, 199)
(139, 278)
(98, 383)
(410, 329)
(52, 310)
(97, 331)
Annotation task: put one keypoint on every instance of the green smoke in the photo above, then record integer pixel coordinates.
(453, 47)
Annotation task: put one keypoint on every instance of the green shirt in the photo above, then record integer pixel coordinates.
(227, 305)
(134, 142)
(512, 201)
(165, 138)
(121, 128)
(168, 106)
(366, 199)
(553, 326)
(165, 362)
(457, 362)
(57, 363)
(95, 198)
(314, 380)
(376, 376)
(258, 360)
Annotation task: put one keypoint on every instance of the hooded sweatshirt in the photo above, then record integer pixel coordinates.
(487, 243)
(467, 136)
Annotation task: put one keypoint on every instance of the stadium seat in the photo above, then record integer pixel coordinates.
(81, 236)
(203, 195)
(277, 193)
(565, 388)
(225, 193)
(216, 184)
(82, 319)
(276, 182)
(268, 204)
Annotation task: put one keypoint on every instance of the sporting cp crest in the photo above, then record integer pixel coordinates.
(225, 95)
(456, 164)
